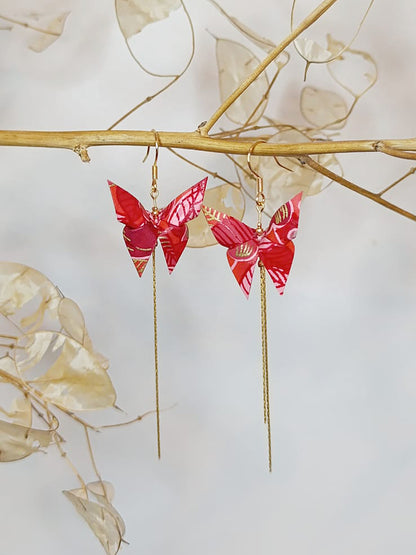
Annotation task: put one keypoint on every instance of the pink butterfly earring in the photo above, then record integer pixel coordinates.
(272, 249)
(143, 229)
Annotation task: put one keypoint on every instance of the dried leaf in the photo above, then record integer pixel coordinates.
(18, 442)
(134, 15)
(235, 63)
(259, 41)
(20, 412)
(39, 30)
(72, 322)
(53, 27)
(355, 71)
(312, 51)
(21, 286)
(323, 109)
(101, 516)
(225, 198)
(280, 185)
(77, 380)
(7, 366)
(34, 346)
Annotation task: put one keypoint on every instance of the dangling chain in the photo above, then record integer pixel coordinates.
(260, 201)
(156, 354)
(154, 193)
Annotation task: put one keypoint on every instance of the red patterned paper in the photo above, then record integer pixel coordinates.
(143, 228)
(273, 247)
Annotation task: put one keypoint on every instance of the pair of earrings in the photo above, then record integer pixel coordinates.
(272, 249)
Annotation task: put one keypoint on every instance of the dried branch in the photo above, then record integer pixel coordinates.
(194, 141)
(356, 188)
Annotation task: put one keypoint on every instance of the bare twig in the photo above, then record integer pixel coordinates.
(356, 188)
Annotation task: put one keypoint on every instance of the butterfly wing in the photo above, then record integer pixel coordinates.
(173, 232)
(140, 243)
(277, 250)
(241, 241)
(128, 209)
(139, 234)
(185, 207)
(284, 223)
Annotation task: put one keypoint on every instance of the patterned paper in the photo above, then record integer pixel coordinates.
(143, 228)
(273, 247)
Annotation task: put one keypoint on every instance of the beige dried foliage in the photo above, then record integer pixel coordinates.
(314, 53)
(18, 442)
(100, 515)
(322, 108)
(281, 184)
(73, 322)
(38, 30)
(355, 71)
(21, 285)
(235, 63)
(77, 380)
(134, 15)
(262, 42)
(20, 411)
(225, 198)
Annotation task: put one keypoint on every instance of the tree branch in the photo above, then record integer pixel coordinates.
(79, 141)
(376, 197)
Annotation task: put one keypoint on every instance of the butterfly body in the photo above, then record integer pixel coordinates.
(273, 247)
(143, 228)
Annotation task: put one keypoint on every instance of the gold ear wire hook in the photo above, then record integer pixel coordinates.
(260, 198)
(154, 192)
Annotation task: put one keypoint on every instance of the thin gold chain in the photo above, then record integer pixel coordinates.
(156, 353)
(265, 361)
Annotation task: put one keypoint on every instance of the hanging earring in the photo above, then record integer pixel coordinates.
(272, 248)
(142, 230)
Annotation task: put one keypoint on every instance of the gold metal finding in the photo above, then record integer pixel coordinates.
(260, 198)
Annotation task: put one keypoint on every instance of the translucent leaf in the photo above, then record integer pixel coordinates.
(323, 109)
(259, 41)
(355, 71)
(72, 322)
(77, 380)
(134, 15)
(235, 63)
(101, 516)
(313, 52)
(20, 411)
(39, 30)
(18, 442)
(7, 366)
(24, 287)
(225, 198)
(34, 346)
(280, 185)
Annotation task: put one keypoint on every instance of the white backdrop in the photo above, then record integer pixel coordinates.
(343, 382)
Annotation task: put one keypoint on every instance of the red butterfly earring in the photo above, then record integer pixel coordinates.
(272, 248)
(142, 230)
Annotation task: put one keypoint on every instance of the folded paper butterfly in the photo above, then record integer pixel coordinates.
(273, 248)
(143, 228)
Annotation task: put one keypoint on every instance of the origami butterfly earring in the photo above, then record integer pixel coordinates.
(272, 248)
(143, 228)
